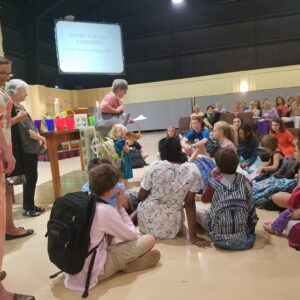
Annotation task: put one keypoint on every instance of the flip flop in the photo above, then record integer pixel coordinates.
(22, 297)
(9, 237)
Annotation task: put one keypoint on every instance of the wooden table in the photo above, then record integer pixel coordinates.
(53, 139)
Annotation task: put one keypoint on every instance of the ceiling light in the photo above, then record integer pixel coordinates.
(177, 1)
(244, 87)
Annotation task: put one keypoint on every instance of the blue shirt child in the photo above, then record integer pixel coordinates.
(194, 137)
(112, 201)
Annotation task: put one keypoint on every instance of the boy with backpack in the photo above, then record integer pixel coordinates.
(231, 220)
(101, 259)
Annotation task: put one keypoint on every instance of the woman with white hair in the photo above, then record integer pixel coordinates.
(29, 142)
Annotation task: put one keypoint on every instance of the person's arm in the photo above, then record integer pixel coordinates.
(125, 148)
(185, 144)
(204, 140)
(253, 155)
(201, 143)
(146, 184)
(5, 149)
(21, 116)
(190, 209)
(276, 162)
(290, 138)
(143, 194)
(116, 222)
(275, 113)
(6, 155)
(35, 136)
(107, 102)
(206, 122)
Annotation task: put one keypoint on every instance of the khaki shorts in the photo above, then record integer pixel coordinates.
(120, 255)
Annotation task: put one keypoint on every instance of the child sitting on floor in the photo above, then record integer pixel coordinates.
(225, 135)
(130, 202)
(232, 218)
(119, 186)
(287, 220)
(134, 253)
(270, 144)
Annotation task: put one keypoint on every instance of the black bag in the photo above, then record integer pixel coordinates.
(136, 159)
(68, 232)
(105, 121)
(212, 147)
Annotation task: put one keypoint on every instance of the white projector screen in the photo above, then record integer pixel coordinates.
(89, 48)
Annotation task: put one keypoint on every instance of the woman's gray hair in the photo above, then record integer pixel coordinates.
(119, 84)
(14, 85)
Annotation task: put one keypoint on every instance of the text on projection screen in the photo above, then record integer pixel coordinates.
(89, 47)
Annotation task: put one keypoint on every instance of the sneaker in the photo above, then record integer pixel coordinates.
(31, 213)
(148, 260)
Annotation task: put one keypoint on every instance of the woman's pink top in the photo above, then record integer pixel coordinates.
(111, 101)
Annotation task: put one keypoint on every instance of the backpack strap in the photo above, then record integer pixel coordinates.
(94, 252)
(215, 183)
(88, 277)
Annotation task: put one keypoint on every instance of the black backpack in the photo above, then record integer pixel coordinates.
(68, 232)
(137, 160)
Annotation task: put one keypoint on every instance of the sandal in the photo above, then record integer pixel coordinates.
(31, 213)
(9, 237)
(39, 209)
(22, 297)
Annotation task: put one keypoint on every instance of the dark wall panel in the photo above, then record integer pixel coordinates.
(267, 55)
(14, 40)
(161, 42)
(162, 45)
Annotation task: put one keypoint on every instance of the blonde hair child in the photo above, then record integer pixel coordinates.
(225, 134)
(118, 134)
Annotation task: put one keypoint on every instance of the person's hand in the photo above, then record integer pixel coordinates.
(22, 115)
(120, 109)
(259, 170)
(200, 242)
(130, 121)
(244, 165)
(215, 172)
(9, 161)
(295, 215)
(44, 144)
(120, 199)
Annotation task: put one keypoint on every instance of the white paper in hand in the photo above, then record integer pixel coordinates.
(140, 118)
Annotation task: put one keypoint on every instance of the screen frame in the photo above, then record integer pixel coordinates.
(88, 73)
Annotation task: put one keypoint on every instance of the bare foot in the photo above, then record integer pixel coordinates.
(16, 231)
(268, 227)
